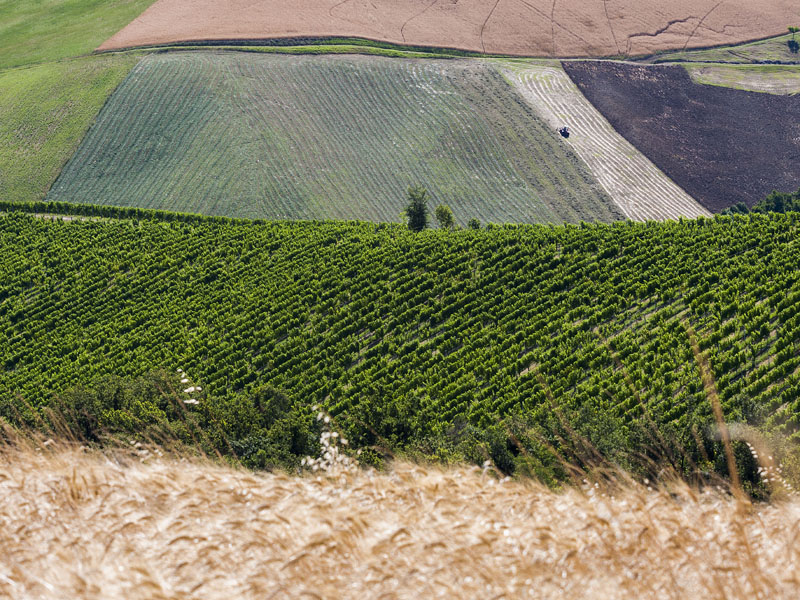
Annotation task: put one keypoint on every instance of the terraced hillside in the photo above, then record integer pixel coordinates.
(403, 335)
(328, 137)
(635, 184)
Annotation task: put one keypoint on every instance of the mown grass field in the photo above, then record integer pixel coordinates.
(34, 31)
(412, 341)
(772, 50)
(333, 137)
(770, 79)
(45, 110)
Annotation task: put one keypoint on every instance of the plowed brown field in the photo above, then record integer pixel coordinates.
(520, 27)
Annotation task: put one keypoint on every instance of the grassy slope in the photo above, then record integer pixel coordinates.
(773, 79)
(769, 50)
(33, 31)
(403, 335)
(45, 110)
(254, 135)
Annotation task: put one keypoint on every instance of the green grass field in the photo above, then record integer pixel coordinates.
(762, 51)
(771, 79)
(327, 137)
(45, 110)
(33, 31)
(406, 337)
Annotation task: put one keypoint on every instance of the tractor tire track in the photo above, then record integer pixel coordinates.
(640, 190)
(708, 14)
(483, 46)
(419, 14)
(610, 26)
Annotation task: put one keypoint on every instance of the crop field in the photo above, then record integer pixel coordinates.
(721, 145)
(770, 79)
(636, 185)
(526, 27)
(772, 50)
(403, 335)
(35, 31)
(121, 527)
(45, 110)
(330, 137)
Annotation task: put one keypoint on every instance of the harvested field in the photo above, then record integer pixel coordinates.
(637, 186)
(328, 137)
(518, 27)
(771, 79)
(76, 525)
(721, 145)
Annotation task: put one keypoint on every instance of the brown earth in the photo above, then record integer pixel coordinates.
(721, 145)
(519, 27)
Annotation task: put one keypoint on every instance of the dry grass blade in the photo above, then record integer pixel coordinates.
(74, 524)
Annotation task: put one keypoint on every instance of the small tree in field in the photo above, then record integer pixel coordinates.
(474, 223)
(445, 216)
(794, 46)
(417, 209)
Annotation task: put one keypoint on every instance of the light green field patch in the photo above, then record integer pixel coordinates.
(33, 31)
(771, 79)
(762, 51)
(45, 110)
(327, 137)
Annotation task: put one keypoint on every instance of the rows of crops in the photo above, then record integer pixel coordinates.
(637, 186)
(408, 333)
(327, 137)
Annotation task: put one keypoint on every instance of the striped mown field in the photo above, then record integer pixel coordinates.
(328, 137)
(638, 187)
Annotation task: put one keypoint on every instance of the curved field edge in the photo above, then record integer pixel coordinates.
(45, 111)
(48, 30)
(639, 188)
(771, 50)
(264, 136)
(443, 342)
(770, 79)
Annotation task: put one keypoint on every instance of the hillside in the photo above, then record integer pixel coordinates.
(527, 27)
(402, 336)
(327, 137)
(115, 528)
(721, 145)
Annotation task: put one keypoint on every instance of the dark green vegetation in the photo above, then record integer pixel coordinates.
(45, 110)
(34, 31)
(775, 202)
(251, 135)
(465, 344)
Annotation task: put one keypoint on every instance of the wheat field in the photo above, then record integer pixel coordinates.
(79, 524)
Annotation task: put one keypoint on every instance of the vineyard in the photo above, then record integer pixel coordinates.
(636, 185)
(405, 336)
(333, 137)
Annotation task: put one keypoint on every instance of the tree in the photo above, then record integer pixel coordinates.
(444, 216)
(474, 223)
(794, 46)
(417, 209)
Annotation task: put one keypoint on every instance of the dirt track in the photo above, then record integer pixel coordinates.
(520, 27)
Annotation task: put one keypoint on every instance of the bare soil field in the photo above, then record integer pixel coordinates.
(76, 525)
(721, 145)
(638, 187)
(518, 27)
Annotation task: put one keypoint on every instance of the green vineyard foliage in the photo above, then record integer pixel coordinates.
(411, 339)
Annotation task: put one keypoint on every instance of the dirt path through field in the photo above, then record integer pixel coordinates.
(518, 27)
(638, 187)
